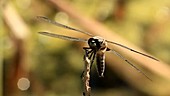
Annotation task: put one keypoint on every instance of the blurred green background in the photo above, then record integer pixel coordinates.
(36, 65)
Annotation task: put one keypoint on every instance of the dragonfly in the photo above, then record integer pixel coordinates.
(97, 46)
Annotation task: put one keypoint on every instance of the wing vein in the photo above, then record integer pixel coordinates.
(132, 50)
(119, 55)
(43, 18)
(63, 37)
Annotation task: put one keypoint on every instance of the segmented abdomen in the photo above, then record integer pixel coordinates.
(100, 60)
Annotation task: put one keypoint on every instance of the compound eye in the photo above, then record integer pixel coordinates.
(92, 43)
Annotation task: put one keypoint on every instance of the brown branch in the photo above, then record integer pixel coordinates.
(86, 76)
(18, 35)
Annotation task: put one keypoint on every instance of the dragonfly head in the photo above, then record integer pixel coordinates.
(97, 43)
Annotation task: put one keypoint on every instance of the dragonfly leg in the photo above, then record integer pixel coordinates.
(87, 51)
(91, 57)
(92, 60)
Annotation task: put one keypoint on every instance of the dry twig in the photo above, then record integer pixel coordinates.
(86, 75)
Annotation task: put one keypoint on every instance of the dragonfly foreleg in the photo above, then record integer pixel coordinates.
(92, 60)
(92, 55)
(88, 51)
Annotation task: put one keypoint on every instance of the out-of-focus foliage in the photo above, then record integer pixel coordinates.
(54, 66)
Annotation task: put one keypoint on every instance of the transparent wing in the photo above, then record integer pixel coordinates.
(43, 18)
(119, 55)
(62, 37)
(132, 50)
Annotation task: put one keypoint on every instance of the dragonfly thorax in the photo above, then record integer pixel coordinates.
(97, 43)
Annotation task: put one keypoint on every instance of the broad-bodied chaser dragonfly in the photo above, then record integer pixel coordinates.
(97, 46)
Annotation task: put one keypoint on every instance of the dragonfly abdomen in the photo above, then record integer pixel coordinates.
(100, 60)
